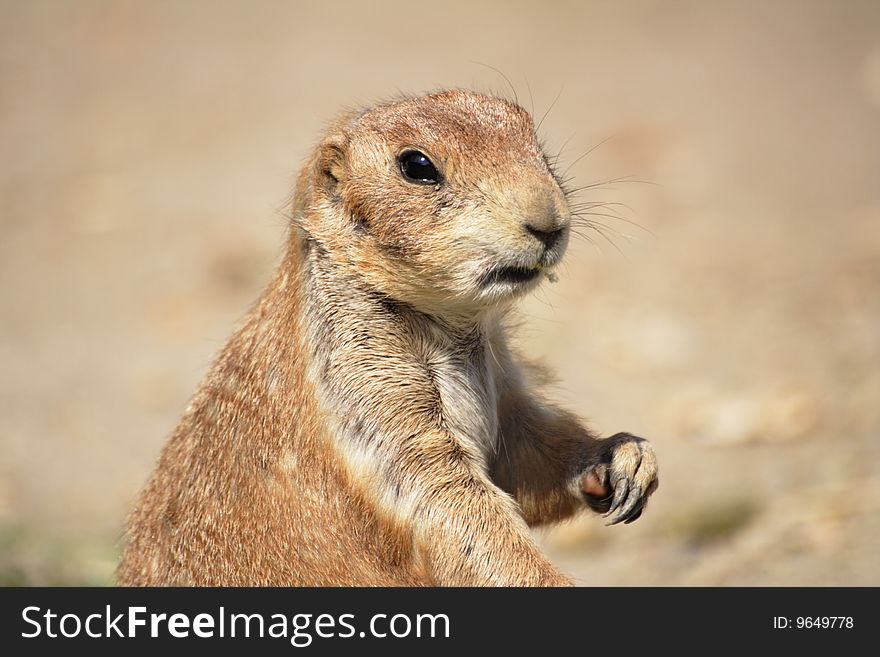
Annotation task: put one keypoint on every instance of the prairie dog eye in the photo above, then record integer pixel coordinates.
(417, 168)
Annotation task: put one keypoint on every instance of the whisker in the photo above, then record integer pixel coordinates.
(545, 301)
(609, 240)
(531, 97)
(562, 148)
(541, 122)
(568, 168)
(600, 204)
(600, 228)
(499, 72)
(635, 224)
(608, 230)
(610, 181)
(582, 236)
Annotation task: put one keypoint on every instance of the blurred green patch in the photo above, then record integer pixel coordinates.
(31, 559)
(712, 521)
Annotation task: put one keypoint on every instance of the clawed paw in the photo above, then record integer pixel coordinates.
(619, 484)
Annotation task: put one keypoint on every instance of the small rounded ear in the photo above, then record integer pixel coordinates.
(302, 195)
(325, 169)
(332, 163)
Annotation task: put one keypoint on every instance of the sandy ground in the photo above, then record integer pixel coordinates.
(149, 148)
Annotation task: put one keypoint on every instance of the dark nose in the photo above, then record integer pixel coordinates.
(548, 237)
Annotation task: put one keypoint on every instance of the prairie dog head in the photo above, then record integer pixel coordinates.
(445, 202)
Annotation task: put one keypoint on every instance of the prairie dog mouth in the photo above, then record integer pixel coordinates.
(513, 275)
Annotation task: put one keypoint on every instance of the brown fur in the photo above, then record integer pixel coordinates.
(368, 424)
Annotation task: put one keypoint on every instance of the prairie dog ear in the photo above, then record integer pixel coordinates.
(332, 163)
(327, 166)
(321, 174)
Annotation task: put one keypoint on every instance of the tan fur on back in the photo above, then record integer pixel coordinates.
(368, 424)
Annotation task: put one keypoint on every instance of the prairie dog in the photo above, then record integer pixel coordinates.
(368, 423)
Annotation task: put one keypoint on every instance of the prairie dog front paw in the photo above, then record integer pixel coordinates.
(619, 483)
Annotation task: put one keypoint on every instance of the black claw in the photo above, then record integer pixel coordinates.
(634, 499)
(620, 491)
(633, 517)
(635, 496)
(637, 512)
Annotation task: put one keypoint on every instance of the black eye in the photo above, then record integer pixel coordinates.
(417, 168)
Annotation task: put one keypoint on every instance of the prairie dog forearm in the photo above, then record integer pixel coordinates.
(545, 451)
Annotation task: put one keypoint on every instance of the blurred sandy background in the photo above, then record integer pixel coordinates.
(149, 147)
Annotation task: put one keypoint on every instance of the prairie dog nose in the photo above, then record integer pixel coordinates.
(548, 237)
(544, 216)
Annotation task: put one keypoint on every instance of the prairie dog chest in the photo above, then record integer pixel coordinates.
(468, 390)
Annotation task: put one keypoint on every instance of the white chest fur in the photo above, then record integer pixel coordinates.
(468, 395)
